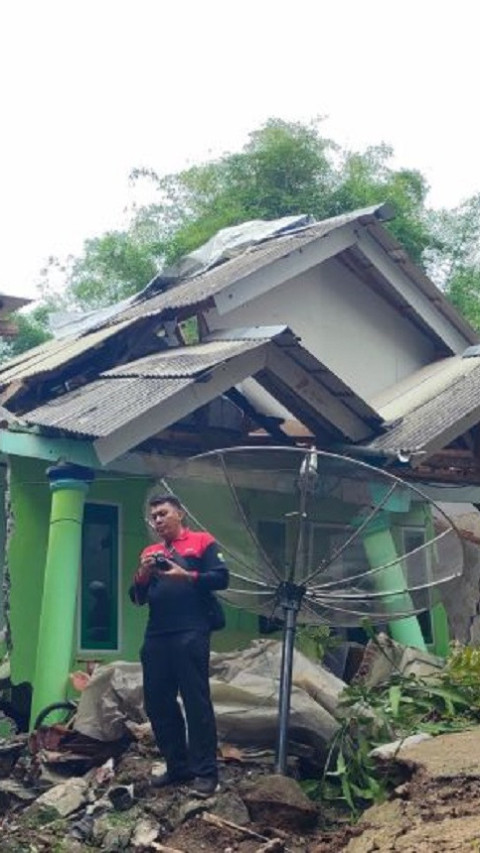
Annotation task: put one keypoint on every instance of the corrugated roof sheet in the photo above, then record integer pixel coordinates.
(125, 393)
(421, 386)
(53, 354)
(107, 404)
(443, 409)
(187, 361)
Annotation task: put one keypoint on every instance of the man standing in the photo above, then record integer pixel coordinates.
(176, 577)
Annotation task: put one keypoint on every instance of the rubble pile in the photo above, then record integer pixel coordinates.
(55, 795)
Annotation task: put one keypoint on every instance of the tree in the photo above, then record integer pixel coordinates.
(32, 330)
(454, 257)
(112, 267)
(285, 168)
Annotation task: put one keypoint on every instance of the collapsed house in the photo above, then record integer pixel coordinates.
(287, 333)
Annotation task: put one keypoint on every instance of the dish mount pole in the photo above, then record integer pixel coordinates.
(290, 598)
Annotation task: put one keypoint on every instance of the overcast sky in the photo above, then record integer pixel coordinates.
(91, 89)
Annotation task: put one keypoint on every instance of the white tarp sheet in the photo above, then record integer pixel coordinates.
(232, 241)
(244, 688)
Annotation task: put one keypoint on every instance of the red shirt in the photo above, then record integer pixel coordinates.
(177, 604)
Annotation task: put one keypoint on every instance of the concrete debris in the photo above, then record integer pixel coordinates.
(65, 790)
(145, 832)
(191, 808)
(384, 657)
(66, 798)
(12, 792)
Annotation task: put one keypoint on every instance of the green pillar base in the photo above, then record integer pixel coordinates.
(380, 549)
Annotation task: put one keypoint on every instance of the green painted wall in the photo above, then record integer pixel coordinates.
(30, 503)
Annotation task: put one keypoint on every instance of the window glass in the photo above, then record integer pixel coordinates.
(99, 578)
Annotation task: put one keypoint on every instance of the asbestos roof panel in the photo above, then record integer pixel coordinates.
(105, 405)
(438, 419)
(420, 387)
(187, 361)
(53, 355)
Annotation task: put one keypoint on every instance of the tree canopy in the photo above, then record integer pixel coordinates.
(285, 168)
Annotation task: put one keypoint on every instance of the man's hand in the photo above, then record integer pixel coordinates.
(176, 571)
(147, 567)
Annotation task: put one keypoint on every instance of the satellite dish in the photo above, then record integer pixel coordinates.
(317, 538)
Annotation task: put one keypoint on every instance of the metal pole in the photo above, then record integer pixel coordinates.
(285, 688)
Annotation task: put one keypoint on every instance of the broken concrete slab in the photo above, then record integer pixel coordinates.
(65, 798)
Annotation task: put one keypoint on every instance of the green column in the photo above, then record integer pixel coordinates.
(380, 549)
(69, 485)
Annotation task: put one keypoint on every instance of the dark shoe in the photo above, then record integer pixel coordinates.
(203, 786)
(167, 779)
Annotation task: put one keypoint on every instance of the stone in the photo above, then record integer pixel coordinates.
(230, 807)
(144, 833)
(278, 801)
(190, 808)
(65, 798)
(390, 750)
(117, 838)
(82, 829)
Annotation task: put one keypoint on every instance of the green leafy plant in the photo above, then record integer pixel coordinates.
(371, 716)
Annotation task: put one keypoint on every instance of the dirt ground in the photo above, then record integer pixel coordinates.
(436, 809)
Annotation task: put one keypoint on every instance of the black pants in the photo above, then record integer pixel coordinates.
(175, 664)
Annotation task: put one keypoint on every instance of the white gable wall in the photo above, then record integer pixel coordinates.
(355, 332)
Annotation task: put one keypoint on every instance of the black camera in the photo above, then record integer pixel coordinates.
(161, 563)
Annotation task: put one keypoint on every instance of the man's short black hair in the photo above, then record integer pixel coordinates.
(165, 499)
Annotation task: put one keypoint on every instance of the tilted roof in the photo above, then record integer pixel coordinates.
(132, 402)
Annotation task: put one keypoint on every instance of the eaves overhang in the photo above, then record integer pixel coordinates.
(428, 417)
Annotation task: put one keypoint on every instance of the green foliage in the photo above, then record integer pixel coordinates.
(32, 330)
(464, 293)
(316, 640)
(406, 705)
(286, 168)
(111, 268)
